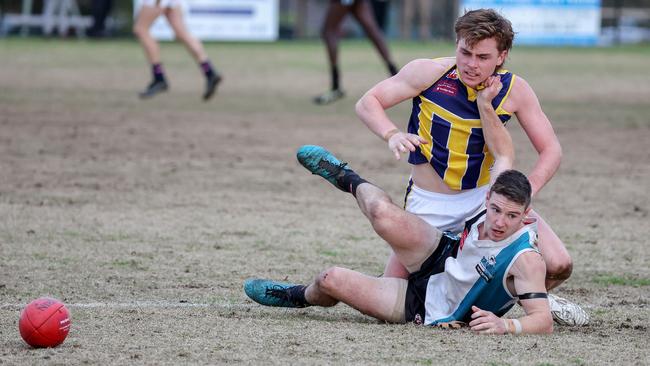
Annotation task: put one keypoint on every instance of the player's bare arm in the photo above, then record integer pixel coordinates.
(496, 135)
(412, 79)
(524, 103)
(528, 274)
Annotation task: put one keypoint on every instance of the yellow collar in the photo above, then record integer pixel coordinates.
(471, 92)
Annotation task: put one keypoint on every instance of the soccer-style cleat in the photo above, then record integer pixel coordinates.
(565, 312)
(211, 84)
(321, 162)
(156, 86)
(329, 97)
(272, 293)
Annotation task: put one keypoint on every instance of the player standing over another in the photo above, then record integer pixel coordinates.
(149, 12)
(336, 12)
(450, 160)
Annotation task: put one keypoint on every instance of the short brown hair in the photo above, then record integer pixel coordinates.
(477, 25)
(513, 185)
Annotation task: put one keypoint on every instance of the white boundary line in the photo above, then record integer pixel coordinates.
(138, 304)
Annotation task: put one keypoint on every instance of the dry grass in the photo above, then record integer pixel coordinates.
(156, 204)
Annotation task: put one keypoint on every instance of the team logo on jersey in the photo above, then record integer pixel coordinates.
(453, 75)
(447, 87)
(486, 268)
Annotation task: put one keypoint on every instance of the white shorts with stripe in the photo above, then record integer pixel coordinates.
(446, 212)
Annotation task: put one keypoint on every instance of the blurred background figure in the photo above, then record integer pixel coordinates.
(424, 9)
(148, 13)
(99, 10)
(363, 13)
(381, 9)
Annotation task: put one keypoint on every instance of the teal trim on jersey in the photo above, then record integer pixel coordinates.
(491, 296)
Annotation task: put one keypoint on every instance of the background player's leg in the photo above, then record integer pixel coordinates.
(146, 16)
(362, 11)
(382, 298)
(330, 35)
(195, 47)
(558, 261)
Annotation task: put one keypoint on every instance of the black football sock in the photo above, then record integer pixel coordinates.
(350, 181)
(158, 72)
(335, 77)
(297, 295)
(392, 68)
(207, 68)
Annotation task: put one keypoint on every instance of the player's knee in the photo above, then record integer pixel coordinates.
(138, 30)
(380, 214)
(329, 280)
(560, 267)
(182, 36)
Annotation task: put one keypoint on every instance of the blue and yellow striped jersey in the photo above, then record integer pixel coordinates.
(446, 116)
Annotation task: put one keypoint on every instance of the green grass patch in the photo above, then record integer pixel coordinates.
(329, 253)
(578, 361)
(626, 280)
(128, 263)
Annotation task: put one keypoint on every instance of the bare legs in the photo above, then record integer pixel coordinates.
(330, 35)
(146, 17)
(382, 298)
(410, 237)
(193, 45)
(412, 240)
(559, 264)
(336, 12)
(362, 12)
(174, 15)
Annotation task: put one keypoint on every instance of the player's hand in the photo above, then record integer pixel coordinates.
(492, 87)
(485, 322)
(402, 142)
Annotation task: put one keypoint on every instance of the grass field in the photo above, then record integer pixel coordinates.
(145, 217)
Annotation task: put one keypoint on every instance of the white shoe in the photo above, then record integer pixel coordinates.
(567, 313)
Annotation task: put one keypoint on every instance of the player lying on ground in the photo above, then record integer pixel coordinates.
(473, 279)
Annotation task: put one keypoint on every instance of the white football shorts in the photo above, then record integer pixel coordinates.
(446, 212)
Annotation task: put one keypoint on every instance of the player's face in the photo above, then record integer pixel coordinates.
(503, 218)
(476, 64)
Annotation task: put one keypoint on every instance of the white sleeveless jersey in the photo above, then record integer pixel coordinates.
(477, 275)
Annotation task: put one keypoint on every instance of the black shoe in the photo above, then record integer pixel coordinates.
(156, 86)
(211, 83)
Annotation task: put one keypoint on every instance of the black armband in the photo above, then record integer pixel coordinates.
(533, 295)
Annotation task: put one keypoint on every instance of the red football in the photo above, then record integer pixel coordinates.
(44, 322)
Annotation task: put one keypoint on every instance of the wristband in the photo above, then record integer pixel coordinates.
(390, 134)
(517, 324)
